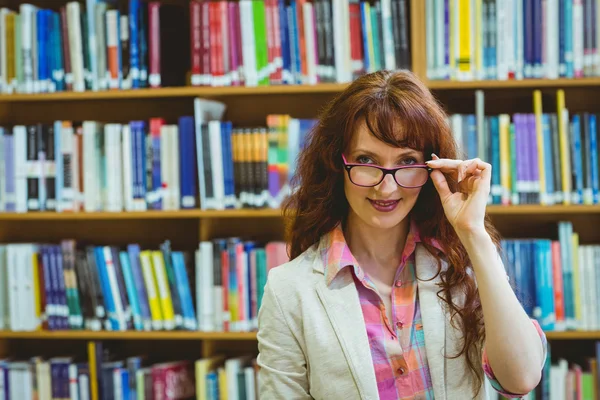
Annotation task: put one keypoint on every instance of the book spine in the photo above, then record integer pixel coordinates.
(134, 40)
(196, 42)
(154, 77)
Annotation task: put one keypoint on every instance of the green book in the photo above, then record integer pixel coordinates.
(588, 386)
(375, 35)
(260, 42)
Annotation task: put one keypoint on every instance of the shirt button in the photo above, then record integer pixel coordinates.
(399, 324)
(401, 371)
(398, 283)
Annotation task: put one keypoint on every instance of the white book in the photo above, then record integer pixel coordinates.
(233, 366)
(20, 159)
(441, 69)
(216, 158)
(114, 176)
(175, 183)
(29, 316)
(591, 287)
(204, 283)
(204, 111)
(519, 38)
(508, 33)
(100, 25)
(126, 81)
(127, 152)
(389, 55)
(75, 45)
(341, 41)
(309, 32)
(248, 44)
(455, 37)
(118, 384)
(27, 12)
(597, 53)
(165, 166)
(552, 39)
(91, 172)
(501, 45)
(73, 392)
(583, 292)
(90, 7)
(84, 387)
(250, 383)
(112, 41)
(14, 288)
(4, 286)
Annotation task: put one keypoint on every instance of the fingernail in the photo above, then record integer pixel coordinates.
(433, 155)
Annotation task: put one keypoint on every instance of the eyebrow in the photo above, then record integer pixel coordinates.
(405, 152)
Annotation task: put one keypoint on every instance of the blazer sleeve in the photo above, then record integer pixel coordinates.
(283, 370)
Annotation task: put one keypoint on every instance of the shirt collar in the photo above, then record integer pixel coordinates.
(336, 254)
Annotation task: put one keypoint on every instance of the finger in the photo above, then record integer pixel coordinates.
(479, 165)
(441, 184)
(447, 166)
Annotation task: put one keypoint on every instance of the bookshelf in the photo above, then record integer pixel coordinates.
(248, 106)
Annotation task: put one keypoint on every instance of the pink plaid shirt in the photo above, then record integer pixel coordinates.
(397, 346)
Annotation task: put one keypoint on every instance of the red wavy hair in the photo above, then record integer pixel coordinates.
(400, 111)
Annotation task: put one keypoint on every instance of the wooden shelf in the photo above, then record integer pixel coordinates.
(236, 336)
(215, 92)
(263, 213)
(186, 91)
(128, 335)
(514, 84)
(140, 215)
(573, 335)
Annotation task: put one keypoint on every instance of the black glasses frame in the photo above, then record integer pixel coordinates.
(386, 171)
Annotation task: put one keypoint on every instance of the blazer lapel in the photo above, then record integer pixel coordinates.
(434, 320)
(341, 302)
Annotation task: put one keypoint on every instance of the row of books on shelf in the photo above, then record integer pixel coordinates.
(197, 162)
(213, 43)
(512, 39)
(60, 287)
(135, 377)
(542, 157)
(556, 281)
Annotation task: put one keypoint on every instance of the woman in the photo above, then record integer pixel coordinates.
(395, 288)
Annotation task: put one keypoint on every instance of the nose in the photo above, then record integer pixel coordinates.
(387, 186)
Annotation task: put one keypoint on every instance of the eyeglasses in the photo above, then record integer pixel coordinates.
(367, 175)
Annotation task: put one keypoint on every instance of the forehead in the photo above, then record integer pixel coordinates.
(363, 139)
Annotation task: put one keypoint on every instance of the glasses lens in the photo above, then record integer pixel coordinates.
(412, 177)
(365, 176)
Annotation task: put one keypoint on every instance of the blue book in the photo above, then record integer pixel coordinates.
(528, 42)
(212, 386)
(134, 50)
(562, 31)
(295, 69)
(471, 139)
(131, 290)
(594, 157)
(229, 181)
(184, 291)
(568, 19)
(537, 39)
(125, 392)
(285, 45)
(544, 311)
(577, 195)
(365, 37)
(109, 301)
(156, 204)
(133, 251)
(187, 163)
(41, 50)
(59, 286)
(565, 234)
(250, 281)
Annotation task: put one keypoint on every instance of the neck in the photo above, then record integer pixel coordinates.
(375, 245)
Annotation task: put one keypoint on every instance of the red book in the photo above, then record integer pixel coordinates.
(66, 48)
(173, 381)
(206, 47)
(215, 44)
(301, 39)
(154, 78)
(277, 77)
(559, 304)
(356, 50)
(196, 42)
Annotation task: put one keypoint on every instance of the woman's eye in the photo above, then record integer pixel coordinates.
(364, 160)
(409, 161)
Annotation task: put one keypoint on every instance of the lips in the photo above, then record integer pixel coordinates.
(384, 205)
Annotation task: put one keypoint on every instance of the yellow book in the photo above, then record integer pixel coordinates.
(478, 40)
(151, 288)
(370, 47)
(36, 289)
(164, 294)
(537, 109)
(203, 367)
(93, 371)
(464, 52)
(576, 277)
(222, 383)
(563, 132)
(505, 158)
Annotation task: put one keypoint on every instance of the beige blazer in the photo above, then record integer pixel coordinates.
(313, 343)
